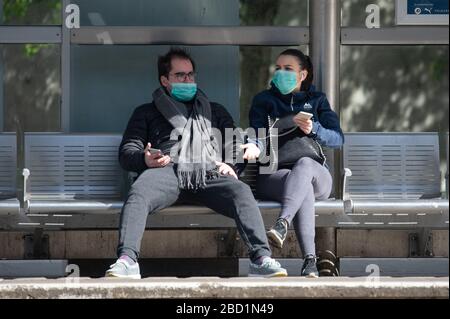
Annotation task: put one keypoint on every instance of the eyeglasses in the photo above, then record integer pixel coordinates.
(182, 76)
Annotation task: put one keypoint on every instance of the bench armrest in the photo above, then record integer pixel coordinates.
(26, 176)
(348, 204)
(446, 184)
(347, 173)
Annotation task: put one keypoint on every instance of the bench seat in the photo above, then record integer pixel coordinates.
(9, 206)
(113, 207)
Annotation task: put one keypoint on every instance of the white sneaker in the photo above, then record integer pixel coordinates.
(269, 268)
(122, 269)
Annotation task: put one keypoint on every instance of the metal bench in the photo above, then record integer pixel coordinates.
(72, 173)
(9, 204)
(395, 180)
(73, 180)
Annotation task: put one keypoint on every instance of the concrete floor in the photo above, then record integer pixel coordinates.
(214, 287)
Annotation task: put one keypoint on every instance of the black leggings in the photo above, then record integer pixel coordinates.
(297, 189)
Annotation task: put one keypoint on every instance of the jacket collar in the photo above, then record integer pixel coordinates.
(298, 97)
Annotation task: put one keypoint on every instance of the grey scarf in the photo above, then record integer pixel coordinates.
(196, 153)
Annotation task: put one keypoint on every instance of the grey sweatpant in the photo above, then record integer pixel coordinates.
(157, 188)
(297, 189)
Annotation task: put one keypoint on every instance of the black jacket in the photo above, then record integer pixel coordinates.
(148, 125)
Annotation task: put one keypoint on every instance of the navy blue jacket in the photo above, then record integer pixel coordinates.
(326, 128)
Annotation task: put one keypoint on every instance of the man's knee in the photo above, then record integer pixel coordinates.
(138, 189)
(240, 190)
(136, 196)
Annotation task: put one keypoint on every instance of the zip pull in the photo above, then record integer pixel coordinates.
(292, 102)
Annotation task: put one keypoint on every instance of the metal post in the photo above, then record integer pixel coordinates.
(325, 47)
(325, 52)
(447, 171)
(324, 19)
(2, 107)
(2, 99)
(65, 70)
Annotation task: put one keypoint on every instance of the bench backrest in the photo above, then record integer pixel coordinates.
(392, 165)
(74, 165)
(248, 176)
(8, 165)
(384, 165)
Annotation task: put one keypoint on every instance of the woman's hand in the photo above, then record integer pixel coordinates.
(304, 124)
(225, 169)
(251, 151)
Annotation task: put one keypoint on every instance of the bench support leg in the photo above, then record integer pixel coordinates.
(326, 239)
(36, 245)
(421, 243)
(229, 243)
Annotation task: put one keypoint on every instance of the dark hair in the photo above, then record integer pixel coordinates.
(305, 64)
(165, 61)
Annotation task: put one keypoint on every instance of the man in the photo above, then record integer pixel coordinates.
(193, 171)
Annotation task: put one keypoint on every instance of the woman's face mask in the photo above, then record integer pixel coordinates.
(183, 91)
(285, 81)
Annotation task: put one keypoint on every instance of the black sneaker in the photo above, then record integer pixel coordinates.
(277, 234)
(309, 268)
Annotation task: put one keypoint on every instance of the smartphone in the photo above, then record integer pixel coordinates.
(304, 115)
(155, 150)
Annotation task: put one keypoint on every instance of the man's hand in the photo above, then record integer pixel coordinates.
(225, 169)
(304, 124)
(156, 159)
(251, 151)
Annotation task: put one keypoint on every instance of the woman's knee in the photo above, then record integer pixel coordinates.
(305, 167)
(323, 186)
(306, 163)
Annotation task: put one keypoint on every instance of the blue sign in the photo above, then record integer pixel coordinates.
(424, 7)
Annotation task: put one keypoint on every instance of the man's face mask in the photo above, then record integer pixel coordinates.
(183, 92)
(285, 81)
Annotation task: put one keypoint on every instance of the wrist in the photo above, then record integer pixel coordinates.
(314, 130)
(257, 143)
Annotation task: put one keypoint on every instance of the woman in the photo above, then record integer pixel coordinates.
(299, 185)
